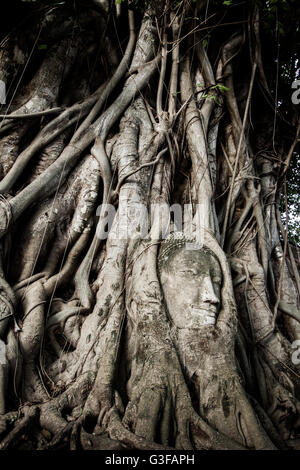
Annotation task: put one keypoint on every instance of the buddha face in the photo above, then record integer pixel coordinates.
(191, 282)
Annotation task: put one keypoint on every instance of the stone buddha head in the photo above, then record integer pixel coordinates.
(191, 280)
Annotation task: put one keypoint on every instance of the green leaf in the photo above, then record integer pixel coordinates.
(227, 3)
(223, 88)
(42, 47)
(210, 97)
(46, 434)
(13, 417)
(220, 87)
(281, 31)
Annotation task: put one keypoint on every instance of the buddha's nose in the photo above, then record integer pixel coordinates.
(207, 292)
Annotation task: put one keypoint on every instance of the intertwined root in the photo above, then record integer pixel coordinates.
(88, 354)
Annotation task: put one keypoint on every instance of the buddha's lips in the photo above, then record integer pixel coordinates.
(203, 315)
(211, 312)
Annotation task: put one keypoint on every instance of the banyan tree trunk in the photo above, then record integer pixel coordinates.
(148, 296)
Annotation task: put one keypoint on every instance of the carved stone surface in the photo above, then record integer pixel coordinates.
(191, 279)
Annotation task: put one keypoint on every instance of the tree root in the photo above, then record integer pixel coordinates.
(30, 415)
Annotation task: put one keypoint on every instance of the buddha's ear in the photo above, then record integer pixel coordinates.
(227, 318)
(163, 277)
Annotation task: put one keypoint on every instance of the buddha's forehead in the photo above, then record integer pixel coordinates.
(201, 258)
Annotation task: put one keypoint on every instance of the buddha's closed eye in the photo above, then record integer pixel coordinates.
(188, 271)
